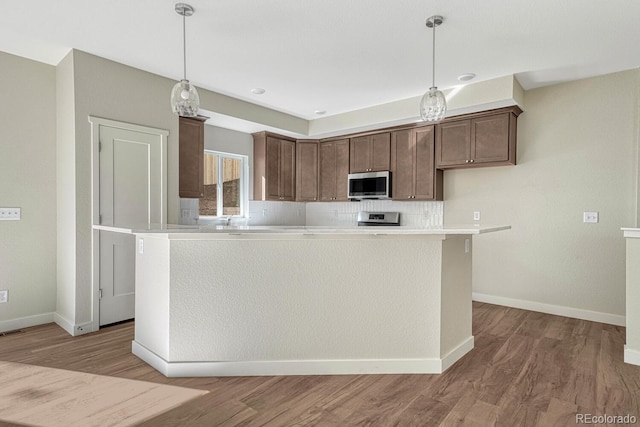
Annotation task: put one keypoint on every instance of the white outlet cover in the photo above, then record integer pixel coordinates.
(10, 214)
(590, 217)
(4, 296)
(476, 216)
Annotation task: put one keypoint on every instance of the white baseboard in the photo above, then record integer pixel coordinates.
(25, 322)
(454, 355)
(73, 329)
(631, 356)
(300, 367)
(558, 310)
(63, 323)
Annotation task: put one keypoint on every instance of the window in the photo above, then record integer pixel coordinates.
(225, 184)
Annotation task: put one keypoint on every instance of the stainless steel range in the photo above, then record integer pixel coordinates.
(378, 218)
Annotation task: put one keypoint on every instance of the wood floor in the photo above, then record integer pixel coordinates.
(527, 369)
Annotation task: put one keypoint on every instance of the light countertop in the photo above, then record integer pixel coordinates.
(631, 232)
(175, 231)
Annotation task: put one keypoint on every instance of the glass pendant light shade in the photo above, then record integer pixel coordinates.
(433, 106)
(184, 96)
(184, 99)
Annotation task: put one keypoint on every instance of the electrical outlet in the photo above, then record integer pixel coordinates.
(4, 296)
(590, 217)
(8, 214)
(476, 216)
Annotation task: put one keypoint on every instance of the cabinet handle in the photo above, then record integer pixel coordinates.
(471, 161)
(466, 161)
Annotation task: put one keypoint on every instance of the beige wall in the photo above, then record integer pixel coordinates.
(28, 181)
(107, 89)
(577, 151)
(574, 155)
(66, 191)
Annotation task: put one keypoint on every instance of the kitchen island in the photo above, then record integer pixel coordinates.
(303, 300)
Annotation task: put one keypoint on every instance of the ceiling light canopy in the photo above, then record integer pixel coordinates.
(184, 96)
(466, 77)
(433, 106)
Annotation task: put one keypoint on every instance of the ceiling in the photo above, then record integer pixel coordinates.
(334, 55)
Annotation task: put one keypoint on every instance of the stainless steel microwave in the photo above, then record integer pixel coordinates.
(370, 185)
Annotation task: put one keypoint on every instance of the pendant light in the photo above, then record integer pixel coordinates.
(433, 106)
(184, 97)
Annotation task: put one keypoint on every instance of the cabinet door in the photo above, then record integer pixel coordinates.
(342, 170)
(402, 164)
(380, 152)
(490, 136)
(191, 157)
(306, 171)
(425, 168)
(272, 169)
(359, 154)
(327, 171)
(453, 144)
(287, 170)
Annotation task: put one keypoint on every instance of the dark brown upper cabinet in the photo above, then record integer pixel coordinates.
(413, 172)
(370, 153)
(274, 167)
(478, 139)
(334, 170)
(307, 171)
(191, 157)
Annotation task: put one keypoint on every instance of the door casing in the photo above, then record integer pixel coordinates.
(96, 124)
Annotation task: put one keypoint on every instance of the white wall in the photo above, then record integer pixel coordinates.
(577, 151)
(28, 181)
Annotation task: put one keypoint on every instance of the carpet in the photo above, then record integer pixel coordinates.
(47, 397)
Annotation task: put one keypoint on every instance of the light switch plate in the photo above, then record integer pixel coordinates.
(10, 214)
(4, 296)
(476, 216)
(590, 217)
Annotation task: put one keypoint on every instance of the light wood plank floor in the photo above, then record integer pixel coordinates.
(527, 369)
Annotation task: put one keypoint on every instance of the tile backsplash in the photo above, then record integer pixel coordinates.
(412, 214)
(189, 211)
(338, 214)
(276, 213)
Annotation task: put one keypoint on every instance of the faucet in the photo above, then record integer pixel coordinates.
(228, 220)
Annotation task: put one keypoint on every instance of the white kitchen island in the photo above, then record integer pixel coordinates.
(303, 300)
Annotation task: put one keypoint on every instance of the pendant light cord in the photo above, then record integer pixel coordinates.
(433, 61)
(184, 45)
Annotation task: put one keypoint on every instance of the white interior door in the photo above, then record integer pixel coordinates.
(132, 194)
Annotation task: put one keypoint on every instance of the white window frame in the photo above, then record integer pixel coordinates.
(244, 184)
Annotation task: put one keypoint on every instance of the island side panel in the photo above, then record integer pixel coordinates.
(456, 338)
(305, 298)
(152, 294)
(632, 347)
